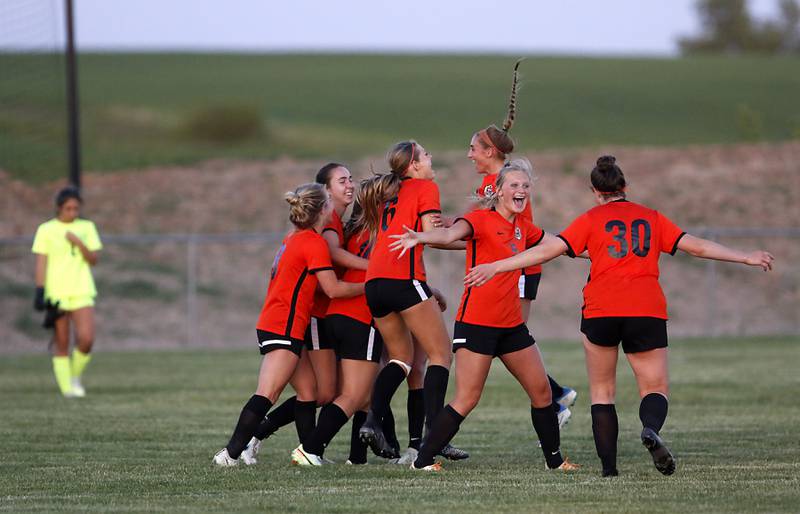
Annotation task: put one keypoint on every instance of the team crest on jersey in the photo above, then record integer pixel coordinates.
(517, 233)
(488, 190)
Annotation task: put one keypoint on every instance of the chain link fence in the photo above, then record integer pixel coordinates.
(172, 290)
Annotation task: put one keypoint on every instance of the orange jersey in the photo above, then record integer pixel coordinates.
(416, 198)
(355, 307)
(624, 240)
(287, 307)
(488, 188)
(321, 300)
(496, 303)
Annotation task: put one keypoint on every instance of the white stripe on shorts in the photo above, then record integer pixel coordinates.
(273, 341)
(314, 334)
(460, 340)
(419, 289)
(521, 285)
(370, 343)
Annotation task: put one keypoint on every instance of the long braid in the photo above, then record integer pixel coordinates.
(512, 102)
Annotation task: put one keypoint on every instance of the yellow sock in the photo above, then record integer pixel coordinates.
(79, 362)
(63, 374)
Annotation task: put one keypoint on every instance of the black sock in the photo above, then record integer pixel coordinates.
(416, 417)
(441, 431)
(653, 411)
(387, 382)
(252, 413)
(388, 428)
(434, 392)
(558, 391)
(331, 419)
(281, 416)
(358, 449)
(605, 428)
(305, 414)
(545, 422)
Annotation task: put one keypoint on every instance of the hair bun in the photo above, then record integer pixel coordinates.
(606, 161)
(292, 198)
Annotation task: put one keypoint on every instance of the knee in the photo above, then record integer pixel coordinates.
(603, 393)
(416, 378)
(464, 404)
(323, 397)
(441, 358)
(542, 397)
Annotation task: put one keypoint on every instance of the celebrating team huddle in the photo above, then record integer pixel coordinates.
(349, 316)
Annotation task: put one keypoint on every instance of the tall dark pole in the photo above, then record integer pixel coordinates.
(73, 126)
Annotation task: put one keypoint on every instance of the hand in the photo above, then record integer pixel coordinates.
(72, 238)
(38, 299)
(405, 241)
(440, 299)
(480, 274)
(760, 258)
(436, 219)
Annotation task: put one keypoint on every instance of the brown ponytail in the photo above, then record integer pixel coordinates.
(492, 136)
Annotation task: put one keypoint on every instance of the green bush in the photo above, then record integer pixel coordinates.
(223, 124)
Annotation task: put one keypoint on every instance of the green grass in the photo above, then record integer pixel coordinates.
(142, 441)
(135, 107)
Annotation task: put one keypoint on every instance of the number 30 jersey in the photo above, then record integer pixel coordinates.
(417, 197)
(624, 240)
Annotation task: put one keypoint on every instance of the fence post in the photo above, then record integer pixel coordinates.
(191, 290)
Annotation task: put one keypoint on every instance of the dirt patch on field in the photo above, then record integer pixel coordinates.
(721, 186)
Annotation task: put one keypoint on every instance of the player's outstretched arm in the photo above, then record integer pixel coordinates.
(549, 248)
(705, 249)
(342, 257)
(438, 236)
(335, 288)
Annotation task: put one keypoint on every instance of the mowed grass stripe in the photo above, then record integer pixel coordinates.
(347, 106)
(142, 441)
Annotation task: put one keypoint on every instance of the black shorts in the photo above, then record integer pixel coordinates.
(388, 295)
(353, 339)
(268, 341)
(637, 333)
(492, 341)
(316, 337)
(529, 286)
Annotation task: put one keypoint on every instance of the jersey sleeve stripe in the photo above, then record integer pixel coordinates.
(331, 229)
(472, 228)
(570, 251)
(430, 211)
(542, 237)
(315, 270)
(675, 246)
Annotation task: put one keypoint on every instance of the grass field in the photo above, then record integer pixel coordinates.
(135, 108)
(142, 441)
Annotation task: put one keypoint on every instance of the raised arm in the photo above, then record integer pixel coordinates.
(335, 288)
(705, 249)
(340, 256)
(549, 248)
(438, 236)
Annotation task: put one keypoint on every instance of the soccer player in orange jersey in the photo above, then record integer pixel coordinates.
(398, 296)
(489, 322)
(488, 150)
(302, 261)
(623, 302)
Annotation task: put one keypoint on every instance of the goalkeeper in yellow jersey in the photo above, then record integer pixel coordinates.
(66, 248)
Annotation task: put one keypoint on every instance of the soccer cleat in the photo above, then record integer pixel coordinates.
(563, 416)
(77, 388)
(351, 463)
(435, 467)
(663, 459)
(371, 434)
(568, 398)
(450, 452)
(565, 466)
(610, 472)
(408, 457)
(302, 458)
(223, 460)
(250, 453)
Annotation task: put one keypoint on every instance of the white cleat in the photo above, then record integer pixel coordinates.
(435, 467)
(223, 460)
(77, 388)
(568, 398)
(563, 416)
(408, 457)
(301, 458)
(250, 453)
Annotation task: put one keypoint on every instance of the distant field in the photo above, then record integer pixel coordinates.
(135, 108)
(143, 439)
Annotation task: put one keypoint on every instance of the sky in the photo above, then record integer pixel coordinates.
(582, 27)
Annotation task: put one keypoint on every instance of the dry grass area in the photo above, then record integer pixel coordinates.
(721, 186)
